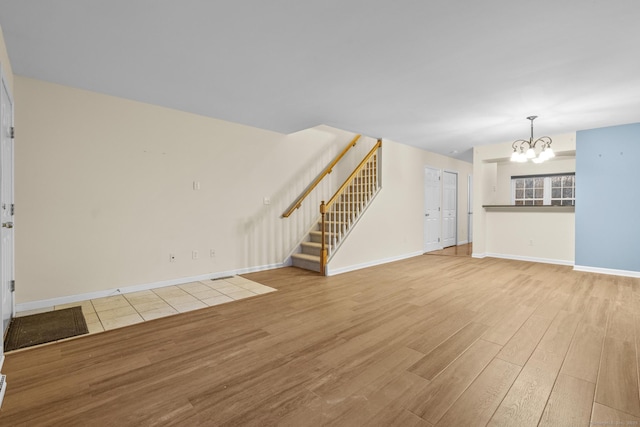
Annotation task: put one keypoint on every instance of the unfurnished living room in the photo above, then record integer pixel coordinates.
(357, 213)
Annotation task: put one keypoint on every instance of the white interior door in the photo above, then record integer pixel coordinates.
(432, 210)
(6, 206)
(449, 209)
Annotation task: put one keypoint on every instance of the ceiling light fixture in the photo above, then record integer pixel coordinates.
(524, 150)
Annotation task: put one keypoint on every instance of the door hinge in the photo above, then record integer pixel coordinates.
(438, 240)
(13, 132)
(13, 209)
(438, 208)
(12, 286)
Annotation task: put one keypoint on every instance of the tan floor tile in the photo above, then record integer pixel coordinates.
(91, 318)
(237, 280)
(217, 300)
(209, 293)
(229, 288)
(34, 311)
(95, 327)
(122, 321)
(190, 306)
(183, 299)
(169, 291)
(219, 284)
(87, 306)
(241, 294)
(122, 310)
(194, 287)
(116, 312)
(158, 312)
(153, 305)
(265, 290)
(141, 297)
(257, 288)
(109, 303)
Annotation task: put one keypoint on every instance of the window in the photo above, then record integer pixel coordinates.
(538, 190)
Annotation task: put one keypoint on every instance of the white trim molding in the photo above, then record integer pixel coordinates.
(34, 305)
(610, 271)
(479, 256)
(333, 272)
(528, 259)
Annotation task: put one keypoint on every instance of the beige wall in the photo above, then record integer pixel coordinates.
(393, 226)
(5, 63)
(536, 236)
(104, 192)
(509, 234)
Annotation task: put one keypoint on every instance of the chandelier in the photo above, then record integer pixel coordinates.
(524, 150)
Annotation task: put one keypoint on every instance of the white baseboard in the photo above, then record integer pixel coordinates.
(610, 271)
(3, 387)
(479, 256)
(333, 272)
(1, 361)
(33, 305)
(529, 259)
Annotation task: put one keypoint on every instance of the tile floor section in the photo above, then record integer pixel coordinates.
(103, 314)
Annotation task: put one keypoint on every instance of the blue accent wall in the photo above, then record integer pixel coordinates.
(608, 197)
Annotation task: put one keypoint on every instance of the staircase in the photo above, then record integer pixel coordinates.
(341, 213)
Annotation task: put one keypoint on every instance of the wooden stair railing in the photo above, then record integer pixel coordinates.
(298, 202)
(346, 205)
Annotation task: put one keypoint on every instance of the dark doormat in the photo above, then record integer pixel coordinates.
(45, 327)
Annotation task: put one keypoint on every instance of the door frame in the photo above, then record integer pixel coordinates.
(424, 192)
(457, 174)
(4, 83)
(470, 208)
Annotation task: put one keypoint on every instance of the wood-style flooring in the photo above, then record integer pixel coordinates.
(428, 341)
(459, 250)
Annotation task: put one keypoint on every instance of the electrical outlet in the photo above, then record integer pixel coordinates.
(213, 253)
(194, 254)
(172, 258)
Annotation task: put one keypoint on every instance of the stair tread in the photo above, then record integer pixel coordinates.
(307, 257)
(314, 244)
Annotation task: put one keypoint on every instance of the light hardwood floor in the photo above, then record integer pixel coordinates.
(432, 340)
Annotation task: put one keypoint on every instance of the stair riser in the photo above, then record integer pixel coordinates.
(350, 206)
(361, 186)
(315, 237)
(307, 265)
(340, 217)
(332, 228)
(358, 197)
(311, 250)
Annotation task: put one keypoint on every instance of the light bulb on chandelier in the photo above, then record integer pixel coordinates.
(524, 150)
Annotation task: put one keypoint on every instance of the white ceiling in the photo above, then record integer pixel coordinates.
(441, 75)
